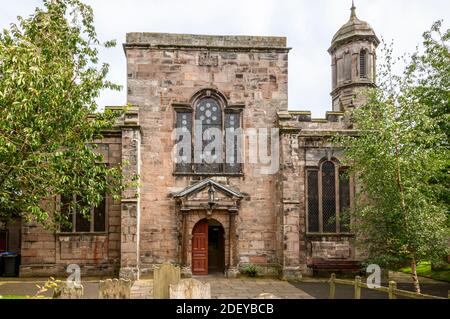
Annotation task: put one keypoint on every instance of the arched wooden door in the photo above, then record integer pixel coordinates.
(200, 248)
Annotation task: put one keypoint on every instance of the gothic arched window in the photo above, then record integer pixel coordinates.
(363, 64)
(328, 198)
(213, 144)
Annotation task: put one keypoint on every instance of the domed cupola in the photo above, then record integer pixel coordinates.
(353, 61)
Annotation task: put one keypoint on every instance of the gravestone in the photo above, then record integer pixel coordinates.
(163, 277)
(114, 289)
(190, 289)
(72, 292)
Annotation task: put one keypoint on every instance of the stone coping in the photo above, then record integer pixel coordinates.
(152, 39)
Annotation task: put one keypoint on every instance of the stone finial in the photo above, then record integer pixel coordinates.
(353, 9)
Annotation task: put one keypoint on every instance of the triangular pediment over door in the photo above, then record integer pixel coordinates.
(209, 194)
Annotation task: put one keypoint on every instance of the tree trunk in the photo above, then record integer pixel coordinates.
(414, 275)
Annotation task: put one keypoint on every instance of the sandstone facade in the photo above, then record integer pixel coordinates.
(277, 220)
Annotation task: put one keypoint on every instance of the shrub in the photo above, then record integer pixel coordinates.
(251, 270)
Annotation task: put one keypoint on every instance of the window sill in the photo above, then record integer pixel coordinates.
(330, 235)
(82, 234)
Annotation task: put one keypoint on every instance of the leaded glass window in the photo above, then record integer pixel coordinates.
(233, 142)
(313, 202)
(209, 151)
(328, 199)
(344, 200)
(207, 126)
(184, 142)
(208, 121)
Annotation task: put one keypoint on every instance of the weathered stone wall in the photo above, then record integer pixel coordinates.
(291, 219)
(46, 253)
(330, 249)
(166, 69)
(305, 142)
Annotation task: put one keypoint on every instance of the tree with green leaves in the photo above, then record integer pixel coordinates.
(431, 73)
(50, 77)
(398, 155)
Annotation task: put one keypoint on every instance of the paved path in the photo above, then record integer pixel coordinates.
(223, 288)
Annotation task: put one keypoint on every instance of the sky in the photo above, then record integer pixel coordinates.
(308, 25)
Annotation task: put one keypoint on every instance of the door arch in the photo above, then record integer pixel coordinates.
(208, 247)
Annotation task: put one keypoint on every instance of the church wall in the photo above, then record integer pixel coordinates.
(160, 76)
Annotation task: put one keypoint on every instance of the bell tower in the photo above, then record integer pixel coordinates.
(353, 62)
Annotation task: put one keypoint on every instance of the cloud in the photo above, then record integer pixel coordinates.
(309, 26)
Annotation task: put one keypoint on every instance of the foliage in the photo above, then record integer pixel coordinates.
(251, 270)
(49, 79)
(431, 72)
(50, 284)
(400, 151)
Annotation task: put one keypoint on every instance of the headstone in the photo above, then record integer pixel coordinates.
(72, 292)
(163, 277)
(190, 289)
(114, 289)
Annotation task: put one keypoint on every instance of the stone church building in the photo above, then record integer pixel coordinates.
(208, 216)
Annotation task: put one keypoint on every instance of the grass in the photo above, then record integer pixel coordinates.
(22, 297)
(424, 270)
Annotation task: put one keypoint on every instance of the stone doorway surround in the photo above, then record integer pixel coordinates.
(208, 199)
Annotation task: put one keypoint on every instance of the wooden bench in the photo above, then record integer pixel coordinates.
(334, 265)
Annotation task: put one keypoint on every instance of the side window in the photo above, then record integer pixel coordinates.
(313, 201)
(184, 141)
(233, 142)
(79, 223)
(99, 215)
(328, 199)
(344, 200)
